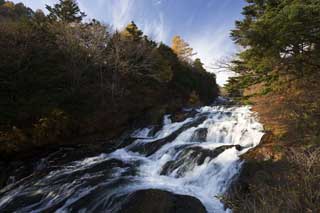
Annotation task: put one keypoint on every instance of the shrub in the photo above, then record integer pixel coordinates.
(12, 141)
(52, 128)
(194, 98)
(292, 190)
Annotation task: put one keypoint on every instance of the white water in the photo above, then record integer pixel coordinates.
(92, 184)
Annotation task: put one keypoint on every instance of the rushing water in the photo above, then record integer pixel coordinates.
(198, 157)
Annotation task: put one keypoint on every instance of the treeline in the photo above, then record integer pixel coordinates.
(278, 37)
(62, 77)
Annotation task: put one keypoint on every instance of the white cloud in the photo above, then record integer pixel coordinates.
(212, 46)
(156, 29)
(121, 12)
(157, 2)
(36, 4)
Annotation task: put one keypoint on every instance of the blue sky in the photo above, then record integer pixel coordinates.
(204, 24)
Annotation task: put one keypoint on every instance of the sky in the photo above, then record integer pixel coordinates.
(204, 24)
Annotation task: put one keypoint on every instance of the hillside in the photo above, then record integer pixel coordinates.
(66, 81)
(278, 75)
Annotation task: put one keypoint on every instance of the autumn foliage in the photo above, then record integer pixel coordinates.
(62, 78)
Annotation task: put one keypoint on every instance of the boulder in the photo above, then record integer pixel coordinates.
(158, 201)
(193, 156)
(151, 147)
(200, 135)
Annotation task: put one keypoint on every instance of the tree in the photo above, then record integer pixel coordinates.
(39, 17)
(277, 33)
(182, 49)
(66, 11)
(198, 65)
(63, 78)
(8, 4)
(9, 10)
(132, 32)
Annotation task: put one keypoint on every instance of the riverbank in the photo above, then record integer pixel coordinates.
(40, 159)
(196, 154)
(282, 173)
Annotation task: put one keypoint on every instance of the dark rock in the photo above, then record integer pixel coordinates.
(152, 147)
(3, 174)
(182, 115)
(158, 201)
(200, 135)
(154, 130)
(239, 147)
(193, 156)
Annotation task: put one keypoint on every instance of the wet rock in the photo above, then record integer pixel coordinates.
(223, 101)
(154, 130)
(200, 135)
(158, 201)
(182, 115)
(150, 148)
(193, 156)
(3, 174)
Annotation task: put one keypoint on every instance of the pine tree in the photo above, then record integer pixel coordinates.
(275, 32)
(132, 32)
(66, 11)
(182, 49)
(198, 65)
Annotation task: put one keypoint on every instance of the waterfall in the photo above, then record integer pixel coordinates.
(198, 157)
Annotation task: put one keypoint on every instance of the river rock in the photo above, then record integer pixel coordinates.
(158, 201)
(151, 147)
(200, 135)
(191, 157)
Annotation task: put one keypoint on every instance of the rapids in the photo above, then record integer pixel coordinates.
(198, 157)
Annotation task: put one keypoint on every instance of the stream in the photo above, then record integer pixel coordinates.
(198, 157)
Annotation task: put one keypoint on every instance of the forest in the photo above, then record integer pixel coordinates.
(63, 77)
(77, 85)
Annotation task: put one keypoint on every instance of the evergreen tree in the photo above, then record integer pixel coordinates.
(39, 16)
(198, 65)
(182, 49)
(277, 32)
(132, 32)
(66, 11)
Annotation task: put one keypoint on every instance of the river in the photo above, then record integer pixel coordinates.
(198, 156)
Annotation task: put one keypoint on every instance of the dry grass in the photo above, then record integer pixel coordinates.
(283, 173)
(291, 112)
(296, 188)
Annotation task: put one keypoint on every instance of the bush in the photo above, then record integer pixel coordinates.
(283, 190)
(50, 129)
(12, 141)
(194, 99)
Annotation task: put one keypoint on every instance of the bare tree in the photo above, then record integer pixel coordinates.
(126, 59)
(224, 64)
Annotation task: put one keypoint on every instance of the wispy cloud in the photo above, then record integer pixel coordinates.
(156, 29)
(211, 47)
(205, 24)
(36, 4)
(121, 12)
(157, 2)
